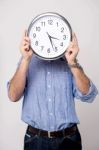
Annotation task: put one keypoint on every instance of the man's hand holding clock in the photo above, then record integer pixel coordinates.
(25, 48)
(72, 51)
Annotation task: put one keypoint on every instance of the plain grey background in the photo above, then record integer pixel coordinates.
(15, 16)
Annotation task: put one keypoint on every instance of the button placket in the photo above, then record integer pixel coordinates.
(49, 94)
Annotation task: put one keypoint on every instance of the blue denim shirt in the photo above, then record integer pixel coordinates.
(49, 95)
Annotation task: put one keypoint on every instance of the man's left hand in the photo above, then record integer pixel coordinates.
(72, 51)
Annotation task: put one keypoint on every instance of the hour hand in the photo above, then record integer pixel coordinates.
(54, 38)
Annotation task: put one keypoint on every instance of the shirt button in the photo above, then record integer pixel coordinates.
(48, 72)
(51, 114)
(52, 127)
(49, 86)
(49, 99)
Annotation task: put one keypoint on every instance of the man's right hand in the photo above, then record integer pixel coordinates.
(25, 49)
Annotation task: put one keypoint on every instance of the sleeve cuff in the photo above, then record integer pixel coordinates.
(91, 94)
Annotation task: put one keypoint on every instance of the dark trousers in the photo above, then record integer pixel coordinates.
(37, 142)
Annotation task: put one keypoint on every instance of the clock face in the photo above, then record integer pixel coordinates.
(50, 35)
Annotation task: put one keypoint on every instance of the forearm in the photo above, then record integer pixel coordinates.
(17, 84)
(82, 81)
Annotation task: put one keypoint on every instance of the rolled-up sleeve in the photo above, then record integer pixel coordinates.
(89, 97)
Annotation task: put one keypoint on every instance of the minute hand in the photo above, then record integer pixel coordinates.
(50, 40)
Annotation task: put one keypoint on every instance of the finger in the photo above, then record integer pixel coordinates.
(73, 35)
(69, 50)
(26, 33)
(26, 38)
(26, 47)
(75, 39)
(73, 49)
(69, 53)
(72, 45)
(25, 43)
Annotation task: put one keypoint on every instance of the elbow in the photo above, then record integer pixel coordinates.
(13, 97)
(85, 91)
(14, 94)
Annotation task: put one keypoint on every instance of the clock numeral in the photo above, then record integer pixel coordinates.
(43, 23)
(50, 22)
(61, 44)
(64, 37)
(42, 47)
(62, 29)
(36, 43)
(34, 35)
(48, 50)
(57, 24)
(38, 29)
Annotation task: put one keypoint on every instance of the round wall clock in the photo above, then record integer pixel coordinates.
(50, 35)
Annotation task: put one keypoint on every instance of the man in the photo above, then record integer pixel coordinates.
(49, 89)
